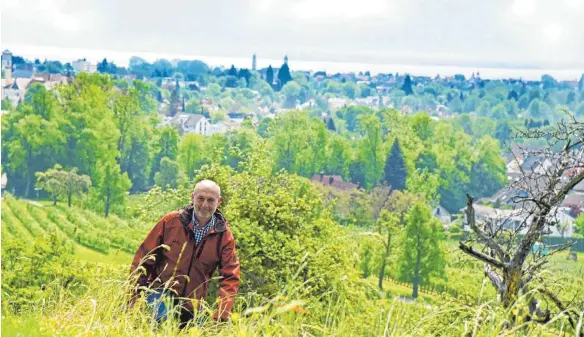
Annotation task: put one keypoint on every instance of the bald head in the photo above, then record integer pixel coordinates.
(207, 186)
(206, 198)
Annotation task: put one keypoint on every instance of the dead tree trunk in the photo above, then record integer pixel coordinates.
(505, 251)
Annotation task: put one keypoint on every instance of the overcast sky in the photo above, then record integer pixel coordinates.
(480, 33)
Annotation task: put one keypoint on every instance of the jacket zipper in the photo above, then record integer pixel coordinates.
(202, 245)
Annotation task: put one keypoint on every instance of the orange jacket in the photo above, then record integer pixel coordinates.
(171, 267)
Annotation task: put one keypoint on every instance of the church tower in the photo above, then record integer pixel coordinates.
(254, 63)
(7, 65)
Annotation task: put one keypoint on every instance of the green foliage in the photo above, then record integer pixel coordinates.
(170, 174)
(407, 86)
(421, 255)
(33, 270)
(371, 148)
(191, 153)
(395, 168)
(112, 186)
(59, 182)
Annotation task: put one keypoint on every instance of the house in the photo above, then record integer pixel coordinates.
(335, 182)
(83, 66)
(442, 214)
(188, 123)
(560, 222)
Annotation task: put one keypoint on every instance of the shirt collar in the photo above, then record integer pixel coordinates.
(196, 222)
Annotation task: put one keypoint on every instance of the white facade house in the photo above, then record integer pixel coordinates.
(189, 123)
(561, 223)
(82, 66)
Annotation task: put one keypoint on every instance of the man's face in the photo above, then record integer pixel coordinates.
(206, 200)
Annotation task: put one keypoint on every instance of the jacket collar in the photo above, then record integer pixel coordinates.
(186, 215)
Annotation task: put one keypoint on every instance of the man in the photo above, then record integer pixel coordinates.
(199, 241)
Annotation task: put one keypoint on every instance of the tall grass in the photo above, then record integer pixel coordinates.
(104, 311)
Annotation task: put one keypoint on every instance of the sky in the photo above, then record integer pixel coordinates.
(497, 37)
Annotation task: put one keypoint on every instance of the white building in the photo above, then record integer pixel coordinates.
(83, 66)
(563, 223)
(189, 123)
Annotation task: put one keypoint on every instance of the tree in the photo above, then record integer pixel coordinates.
(581, 83)
(6, 105)
(395, 168)
(513, 95)
(167, 146)
(232, 71)
(503, 132)
(103, 66)
(421, 255)
(488, 171)
(351, 90)
(51, 181)
(388, 227)
(169, 174)
(193, 107)
(330, 124)
(112, 185)
(407, 86)
(338, 156)
(507, 254)
(351, 115)
(371, 148)
(579, 222)
(270, 75)
(291, 91)
(535, 109)
(284, 75)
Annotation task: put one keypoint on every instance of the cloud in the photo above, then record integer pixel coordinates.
(338, 9)
(522, 33)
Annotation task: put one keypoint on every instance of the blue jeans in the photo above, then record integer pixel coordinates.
(159, 308)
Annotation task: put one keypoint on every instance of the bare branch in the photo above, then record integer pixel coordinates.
(495, 278)
(481, 256)
(471, 220)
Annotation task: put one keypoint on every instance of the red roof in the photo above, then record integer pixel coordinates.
(334, 181)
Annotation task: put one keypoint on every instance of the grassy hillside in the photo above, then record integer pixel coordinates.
(94, 237)
(462, 304)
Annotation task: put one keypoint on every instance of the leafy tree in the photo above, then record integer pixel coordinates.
(371, 148)
(421, 256)
(388, 227)
(51, 181)
(169, 174)
(499, 112)
(503, 131)
(581, 83)
(193, 107)
(351, 90)
(190, 154)
(395, 168)
(407, 86)
(338, 156)
(422, 126)
(579, 222)
(112, 185)
(488, 171)
(167, 146)
(351, 115)
(291, 91)
(535, 109)
(6, 104)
